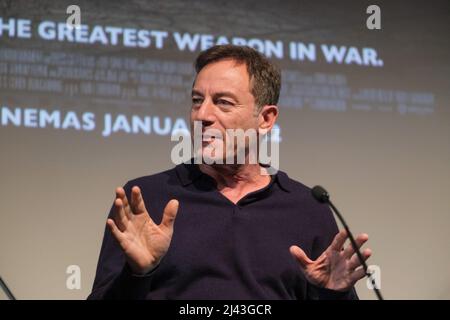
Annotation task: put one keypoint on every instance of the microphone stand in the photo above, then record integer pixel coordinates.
(322, 196)
(6, 290)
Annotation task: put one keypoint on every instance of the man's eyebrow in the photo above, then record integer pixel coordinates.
(217, 94)
(226, 93)
(196, 93)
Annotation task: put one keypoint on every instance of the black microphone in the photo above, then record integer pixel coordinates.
(321, 195)
(6, 290)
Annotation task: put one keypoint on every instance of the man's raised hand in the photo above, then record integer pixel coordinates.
(336, 268)
(141, 239)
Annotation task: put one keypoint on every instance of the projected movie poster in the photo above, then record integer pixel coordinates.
(132, 74)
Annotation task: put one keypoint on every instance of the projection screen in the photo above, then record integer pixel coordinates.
(364, 112)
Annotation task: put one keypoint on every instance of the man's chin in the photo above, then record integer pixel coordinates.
(208, 158)
(212, 159)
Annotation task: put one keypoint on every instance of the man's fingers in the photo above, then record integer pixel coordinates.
(115, 230)
(360, 240)
(339, 240)
(300, 256)
(357, 275)
(119, 215)
(120, 193)
(354, 261)
(170, 213)
(137, 202)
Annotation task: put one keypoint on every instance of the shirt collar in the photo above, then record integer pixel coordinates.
(284, 181)
(189, 172)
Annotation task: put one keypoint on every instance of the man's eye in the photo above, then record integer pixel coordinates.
(225, 102)
(196, 101)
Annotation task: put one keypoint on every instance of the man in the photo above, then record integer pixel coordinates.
(226, 231)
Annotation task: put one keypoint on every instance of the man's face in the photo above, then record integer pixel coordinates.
(221, 100)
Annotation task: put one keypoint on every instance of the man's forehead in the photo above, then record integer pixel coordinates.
(224, 75)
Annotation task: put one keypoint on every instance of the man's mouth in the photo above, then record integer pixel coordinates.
(208, 138)
(208, 142)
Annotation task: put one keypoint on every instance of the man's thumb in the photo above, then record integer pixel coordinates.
(170, 212)
(300, 256)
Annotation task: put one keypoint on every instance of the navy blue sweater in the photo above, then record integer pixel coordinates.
(222, 250)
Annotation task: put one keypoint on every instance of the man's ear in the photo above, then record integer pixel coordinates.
(266, 118)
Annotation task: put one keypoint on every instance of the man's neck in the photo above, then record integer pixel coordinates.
(238, 177)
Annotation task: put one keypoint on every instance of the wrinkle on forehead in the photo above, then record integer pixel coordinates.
(229, 76)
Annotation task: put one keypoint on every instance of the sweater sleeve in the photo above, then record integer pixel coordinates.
(114, 279)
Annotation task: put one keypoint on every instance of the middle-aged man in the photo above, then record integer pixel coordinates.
(226, 231)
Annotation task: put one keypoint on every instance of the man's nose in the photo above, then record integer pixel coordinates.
(205, 113)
